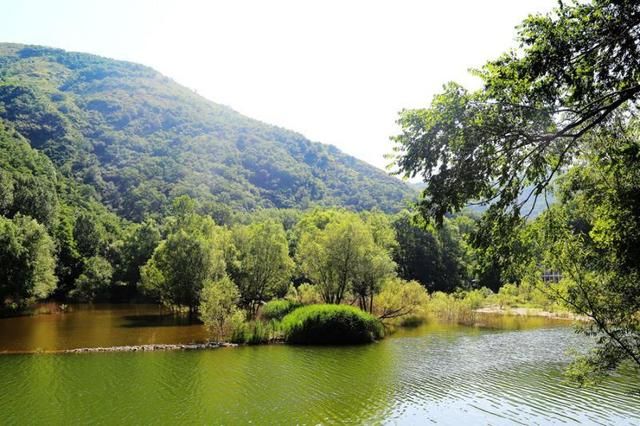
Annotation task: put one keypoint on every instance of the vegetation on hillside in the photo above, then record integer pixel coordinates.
(140, 140)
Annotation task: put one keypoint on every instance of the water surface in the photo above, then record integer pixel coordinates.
(506, 372)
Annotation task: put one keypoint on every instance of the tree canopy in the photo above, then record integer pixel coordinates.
(559, 110)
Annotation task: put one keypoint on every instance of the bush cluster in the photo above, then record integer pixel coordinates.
(331, 324)
(277, 309)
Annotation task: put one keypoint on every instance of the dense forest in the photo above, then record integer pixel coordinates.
(140, 140)
(102, 162)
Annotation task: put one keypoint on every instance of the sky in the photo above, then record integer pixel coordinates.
(336, 71)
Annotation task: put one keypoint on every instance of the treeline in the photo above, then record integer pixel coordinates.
(58, 242)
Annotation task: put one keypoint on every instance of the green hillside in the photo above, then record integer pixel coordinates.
(140, 140)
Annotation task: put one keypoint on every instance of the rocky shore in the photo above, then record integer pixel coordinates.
(153, 347)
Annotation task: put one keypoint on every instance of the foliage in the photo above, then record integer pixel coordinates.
(27, 259)
(277, 309)
(137, 249)
(437, 258)
(181, 265)
(565, 102)
(401, 299)
(27, 180)
(256, 332)
(262, 267)
(304, 294)
(331, 324)
(575, 67)
(93, 284)
(218, 307)
(343, 256)
(451, 307)
(591, 240)
(140, 140)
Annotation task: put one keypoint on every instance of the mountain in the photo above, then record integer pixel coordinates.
(139, 140)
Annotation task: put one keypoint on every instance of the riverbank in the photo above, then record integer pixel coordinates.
(153, 347)
(531, 312)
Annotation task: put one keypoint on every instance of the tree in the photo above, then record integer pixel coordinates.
(343, 257)
(375, 267)
(399, 298)
(218, 306)
(138, 249)
(574, 68)
(27, 259)
(27, 180)
(262, 267)
(182, 264)
(88, 235)
(592, 239)
(330, 257)
(94, 282)
(434, 257)
(573, 81)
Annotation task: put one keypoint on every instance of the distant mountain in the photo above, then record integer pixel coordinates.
(531, 206)
(139, 140)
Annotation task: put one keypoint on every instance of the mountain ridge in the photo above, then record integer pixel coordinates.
(140, 139)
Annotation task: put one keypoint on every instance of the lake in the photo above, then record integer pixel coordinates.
(501, 371)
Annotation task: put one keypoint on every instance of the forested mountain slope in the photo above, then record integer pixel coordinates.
(139, 139)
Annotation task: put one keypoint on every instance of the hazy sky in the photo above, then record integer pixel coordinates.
(336, 71)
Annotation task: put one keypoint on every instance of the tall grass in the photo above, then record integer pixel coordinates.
(331, 324)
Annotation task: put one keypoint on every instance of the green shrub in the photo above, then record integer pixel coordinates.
(256, 332)
(331, 324)
(277, 309)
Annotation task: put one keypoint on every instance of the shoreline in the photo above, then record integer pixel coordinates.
(151, 347)
(531, 312)
(164, 347)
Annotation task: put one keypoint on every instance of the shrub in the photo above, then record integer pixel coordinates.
(305, 294)
(331, 324)
(256, 332)
(277, 309)
(218, 308)
(400, 299)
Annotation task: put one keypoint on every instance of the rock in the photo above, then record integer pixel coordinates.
(154, 347)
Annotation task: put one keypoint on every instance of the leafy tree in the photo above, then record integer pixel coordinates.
(565, 100)
(27, 180)
(575, 67)
(399, 298)
(330, 257)
(88, 235)
(27, 259)
(185, 262)
(342, 257)
(592, 238)
(218, 306)
(438, 258)
(262, 267)
(94, 282)
(6, 192)
(138, 249)
(375, 267)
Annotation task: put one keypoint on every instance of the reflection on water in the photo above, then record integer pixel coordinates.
(508, 372)
(98, 325)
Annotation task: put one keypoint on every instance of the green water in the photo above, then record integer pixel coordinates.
(506, 372)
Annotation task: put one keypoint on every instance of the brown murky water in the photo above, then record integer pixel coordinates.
(97, 325)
